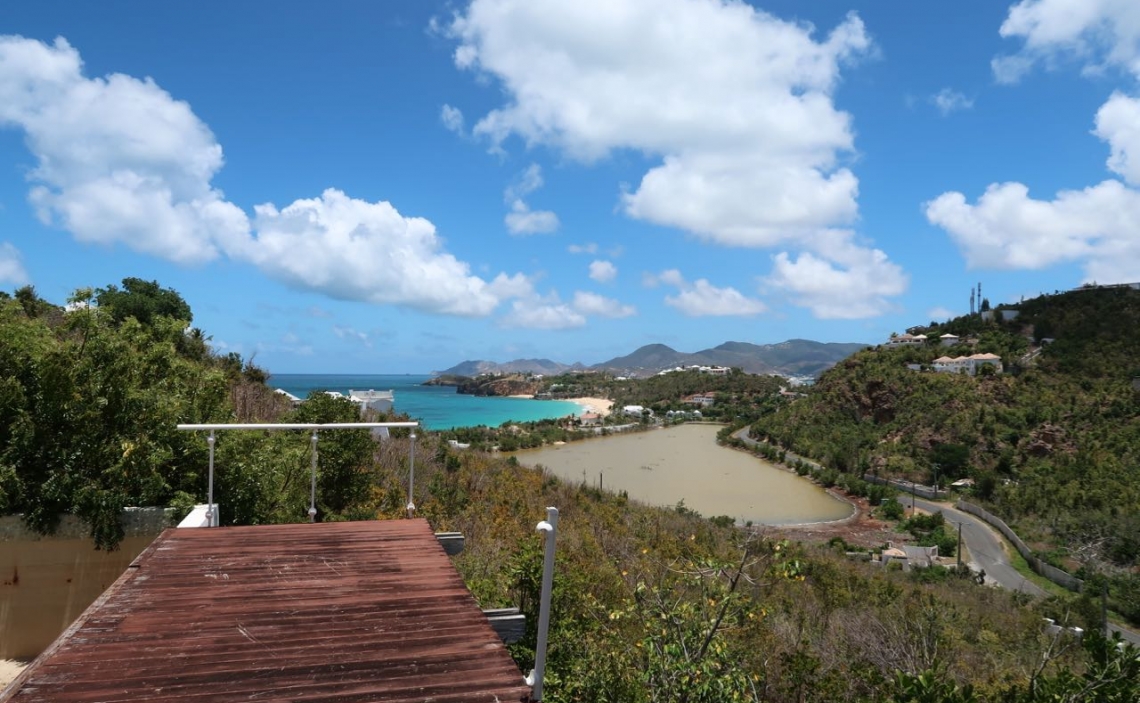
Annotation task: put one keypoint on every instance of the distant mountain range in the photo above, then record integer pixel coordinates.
(795, 357)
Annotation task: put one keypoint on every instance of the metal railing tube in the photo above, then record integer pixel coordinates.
(313, 482)
(412, 476)
(549, 527)
(210, 516)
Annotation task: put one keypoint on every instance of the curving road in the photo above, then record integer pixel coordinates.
(987, 551)
(986, 547)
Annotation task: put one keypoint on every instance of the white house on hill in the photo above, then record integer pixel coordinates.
(906, 340)
(968, 364)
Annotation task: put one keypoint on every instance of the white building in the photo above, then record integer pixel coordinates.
(967, 364)
(948, 340)
(907, 340)
(380, 401)
(702, 399)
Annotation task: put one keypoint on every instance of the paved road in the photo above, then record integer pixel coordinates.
(987, 551)
(986, 548)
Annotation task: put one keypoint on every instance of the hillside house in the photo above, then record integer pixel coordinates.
(967, 364)
(1003, 314)
(948, 340)
(701, 399)
(907, 340)
(909, 556)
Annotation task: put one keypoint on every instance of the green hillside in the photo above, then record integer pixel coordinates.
(1053, 442)
(650, 604)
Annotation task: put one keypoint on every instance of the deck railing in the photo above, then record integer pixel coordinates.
(211, 514)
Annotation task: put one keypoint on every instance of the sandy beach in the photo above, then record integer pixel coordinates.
(600, 406)
(594, 405)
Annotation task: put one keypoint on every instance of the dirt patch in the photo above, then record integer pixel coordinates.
(862, 529)
(9, 670)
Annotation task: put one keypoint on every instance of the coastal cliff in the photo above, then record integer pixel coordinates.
(513, 384)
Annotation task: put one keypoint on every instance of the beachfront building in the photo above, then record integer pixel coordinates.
(635, 410)
(590, 420)
(377, 401)
(293, 400)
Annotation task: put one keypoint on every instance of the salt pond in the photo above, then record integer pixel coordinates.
(684, 462)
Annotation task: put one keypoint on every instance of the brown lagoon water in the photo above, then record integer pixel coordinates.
(684, 462)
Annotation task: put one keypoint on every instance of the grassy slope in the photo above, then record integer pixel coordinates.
(638, 589)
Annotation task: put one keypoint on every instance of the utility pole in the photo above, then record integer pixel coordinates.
(1104, 606)
(959, 546)
(912, 492)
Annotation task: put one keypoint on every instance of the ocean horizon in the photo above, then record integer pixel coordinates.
(436, 407)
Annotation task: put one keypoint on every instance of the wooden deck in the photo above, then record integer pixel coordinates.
(361, 611)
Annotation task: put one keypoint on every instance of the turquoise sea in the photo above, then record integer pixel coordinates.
(437, 407)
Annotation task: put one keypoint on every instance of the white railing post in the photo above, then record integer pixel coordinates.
(549, 527)
(211, 517)
(412, 476)
(313, 482)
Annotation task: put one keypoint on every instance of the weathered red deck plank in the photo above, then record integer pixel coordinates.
(346, 612)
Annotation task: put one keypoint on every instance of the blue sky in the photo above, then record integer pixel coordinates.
(399, 186)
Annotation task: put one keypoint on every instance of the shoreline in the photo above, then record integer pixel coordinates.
(601, 406)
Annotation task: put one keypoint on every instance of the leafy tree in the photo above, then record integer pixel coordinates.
(144, 301)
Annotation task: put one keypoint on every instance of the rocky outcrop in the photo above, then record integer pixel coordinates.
(492, 385)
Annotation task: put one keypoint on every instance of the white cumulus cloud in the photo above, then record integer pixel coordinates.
(735, 104)
(119, 161)
(12, 266)
(1007, 229)
(1096, 33)
(749, 136)
(600, 306)
(602, 271)
(1094, 227)
(547, 313)
(834, 293)
(1118, 123)
(702, 299)
(352, 249)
